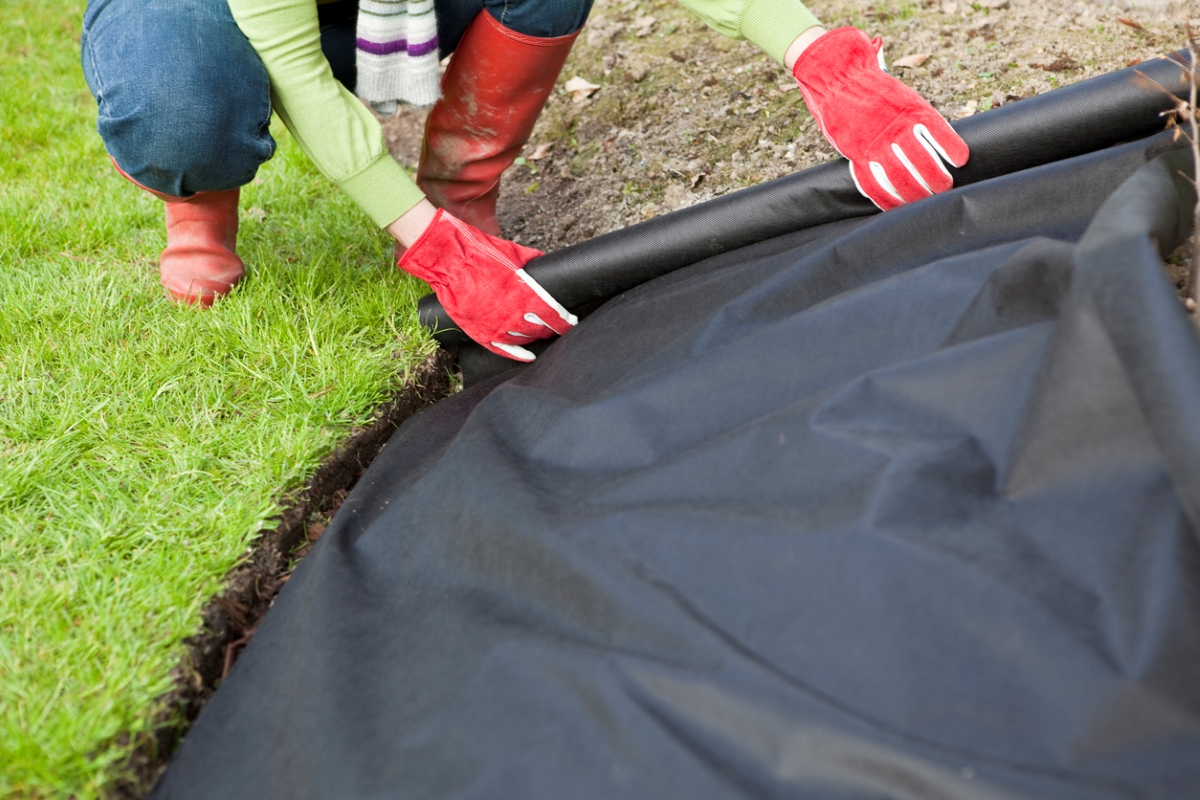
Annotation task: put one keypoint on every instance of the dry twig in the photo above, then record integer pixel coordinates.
(1194, 124)
(1186, 110)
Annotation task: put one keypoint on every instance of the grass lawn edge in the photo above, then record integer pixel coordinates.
(231, 617)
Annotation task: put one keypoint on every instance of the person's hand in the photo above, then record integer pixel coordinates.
(480, 281)
(894, 139)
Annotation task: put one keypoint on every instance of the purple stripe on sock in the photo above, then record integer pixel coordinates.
(423, 48)
(399, 46)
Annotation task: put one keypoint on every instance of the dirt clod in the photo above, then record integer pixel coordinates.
(1064, 63)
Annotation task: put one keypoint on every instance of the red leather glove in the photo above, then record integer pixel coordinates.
(481, 283)
(893, 138)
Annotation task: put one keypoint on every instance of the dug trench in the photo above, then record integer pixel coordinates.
(670, 114)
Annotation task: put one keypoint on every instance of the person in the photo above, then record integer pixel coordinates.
(185, 91)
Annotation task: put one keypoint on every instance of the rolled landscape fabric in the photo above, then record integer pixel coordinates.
(1074, 120)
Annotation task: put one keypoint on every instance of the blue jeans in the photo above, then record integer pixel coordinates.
(184, 101)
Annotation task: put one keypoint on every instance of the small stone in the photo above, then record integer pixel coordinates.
(676, 196)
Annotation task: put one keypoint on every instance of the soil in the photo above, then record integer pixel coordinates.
(683, 115)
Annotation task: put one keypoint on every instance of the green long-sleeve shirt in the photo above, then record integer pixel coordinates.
(344, 139)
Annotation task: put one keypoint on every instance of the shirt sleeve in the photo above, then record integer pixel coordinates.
(771, 24)
(332, 127)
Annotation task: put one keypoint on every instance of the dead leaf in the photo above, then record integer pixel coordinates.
(682, 59)
(580, 88)
(914, 60)
(541, 151)
(994, 5)
(643, 25)
(967, 110)
(1133, 23)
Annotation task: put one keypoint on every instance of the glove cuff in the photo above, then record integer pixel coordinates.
(412, 261)
(820, 68)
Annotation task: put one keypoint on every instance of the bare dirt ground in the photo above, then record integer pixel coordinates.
(682, 114)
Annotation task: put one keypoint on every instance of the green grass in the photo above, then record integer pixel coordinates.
(143, 445)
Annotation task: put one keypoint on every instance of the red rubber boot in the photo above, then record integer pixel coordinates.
(492, 93)
(200, 263)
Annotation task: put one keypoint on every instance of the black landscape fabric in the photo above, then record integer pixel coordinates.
(901, 506)
(1070, 121)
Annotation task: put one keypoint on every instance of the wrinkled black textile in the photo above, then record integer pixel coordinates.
(898, 507)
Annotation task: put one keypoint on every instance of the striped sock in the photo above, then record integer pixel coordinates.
(397, 54)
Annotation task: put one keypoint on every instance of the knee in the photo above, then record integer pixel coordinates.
(542, 18)
(184, 102)
(169, 139)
